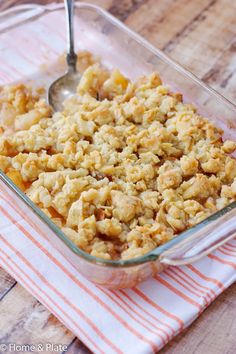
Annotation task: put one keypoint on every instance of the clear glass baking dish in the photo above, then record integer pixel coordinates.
(36, 56)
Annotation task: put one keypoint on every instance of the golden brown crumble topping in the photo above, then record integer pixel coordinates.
(124, 168)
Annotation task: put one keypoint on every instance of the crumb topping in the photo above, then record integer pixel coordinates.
(125, 167)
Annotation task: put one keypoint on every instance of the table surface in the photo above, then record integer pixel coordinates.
(200, 35)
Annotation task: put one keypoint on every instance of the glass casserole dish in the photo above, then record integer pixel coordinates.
(34, 28)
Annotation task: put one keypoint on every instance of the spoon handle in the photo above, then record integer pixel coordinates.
(71, 57)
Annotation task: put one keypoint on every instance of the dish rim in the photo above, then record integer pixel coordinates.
(156, 252)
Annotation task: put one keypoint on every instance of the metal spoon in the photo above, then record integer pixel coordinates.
(65, 86)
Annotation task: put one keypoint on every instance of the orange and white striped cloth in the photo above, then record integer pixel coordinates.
(139, 320)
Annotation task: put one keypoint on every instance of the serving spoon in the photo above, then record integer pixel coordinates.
(65, 86)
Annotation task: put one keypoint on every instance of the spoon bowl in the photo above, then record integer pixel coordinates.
(62, 89)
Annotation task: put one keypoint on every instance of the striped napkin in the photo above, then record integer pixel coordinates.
(139, 320)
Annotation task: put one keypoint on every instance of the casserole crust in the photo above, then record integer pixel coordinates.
(124, 168)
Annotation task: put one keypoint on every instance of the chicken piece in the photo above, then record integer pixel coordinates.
(85, 234)
(109, 227)
(125, 207)
(150, 199)
(26, 120)
(200, 187)
(189, 165)
(169, 179)
(77, 213)
(115, 84)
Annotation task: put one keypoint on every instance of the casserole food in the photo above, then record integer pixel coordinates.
(123, 273)
(123, 168)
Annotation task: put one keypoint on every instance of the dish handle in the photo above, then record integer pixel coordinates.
(205, 239)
